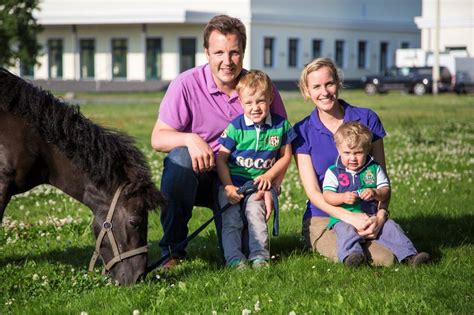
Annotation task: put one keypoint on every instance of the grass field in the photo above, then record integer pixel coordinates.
(46, 240)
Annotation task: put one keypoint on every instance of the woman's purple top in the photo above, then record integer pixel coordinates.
(317, 141)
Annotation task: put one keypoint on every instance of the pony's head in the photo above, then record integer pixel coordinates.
(121, 232)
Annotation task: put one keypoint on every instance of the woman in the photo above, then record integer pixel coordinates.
(315, 151)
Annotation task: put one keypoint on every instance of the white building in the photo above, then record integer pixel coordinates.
(456, 24)
(94, 42)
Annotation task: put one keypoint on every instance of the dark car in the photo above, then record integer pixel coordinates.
(417, 80)
(464, 83)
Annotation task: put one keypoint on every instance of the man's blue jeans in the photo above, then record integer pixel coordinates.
(183, 189)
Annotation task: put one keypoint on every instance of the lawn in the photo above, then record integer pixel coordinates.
(46, 240)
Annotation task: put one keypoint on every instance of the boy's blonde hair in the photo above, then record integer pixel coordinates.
(315, 65)
(253, 81)
(355, 135)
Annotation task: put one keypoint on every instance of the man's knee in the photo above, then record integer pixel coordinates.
(179, 157)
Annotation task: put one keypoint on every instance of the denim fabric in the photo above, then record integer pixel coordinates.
(183, 189)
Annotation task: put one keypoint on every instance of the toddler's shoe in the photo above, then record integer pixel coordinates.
(355, 259)
(260, 263)
(236, 264)
(418, 259)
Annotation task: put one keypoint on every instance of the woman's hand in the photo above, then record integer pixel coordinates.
(373, 226)
(357, 219)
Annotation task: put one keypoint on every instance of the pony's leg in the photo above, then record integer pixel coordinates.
(4, 198)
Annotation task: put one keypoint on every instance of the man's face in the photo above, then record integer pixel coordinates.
(225, 57)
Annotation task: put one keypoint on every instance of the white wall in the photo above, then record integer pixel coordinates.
(456, 24)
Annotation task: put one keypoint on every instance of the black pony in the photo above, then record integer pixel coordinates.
(46, 141)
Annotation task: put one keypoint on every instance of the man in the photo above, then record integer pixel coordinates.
(197, 107)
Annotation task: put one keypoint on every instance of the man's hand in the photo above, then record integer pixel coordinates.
(268, 200)
(202, 156)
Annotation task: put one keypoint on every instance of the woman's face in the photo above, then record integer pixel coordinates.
(323, 89)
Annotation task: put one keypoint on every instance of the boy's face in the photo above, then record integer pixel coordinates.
(256, 106)
(353, 159)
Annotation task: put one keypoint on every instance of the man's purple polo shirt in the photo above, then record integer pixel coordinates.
(317, 141)
(193, 103)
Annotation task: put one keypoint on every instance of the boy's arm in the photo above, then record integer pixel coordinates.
(275, 174)
(330, 194)
(336, 199)
(224, 175)
(382, 192)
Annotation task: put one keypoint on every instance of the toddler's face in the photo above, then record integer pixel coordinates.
(353, 159)
(256, 106)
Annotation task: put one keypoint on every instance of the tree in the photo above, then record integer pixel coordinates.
(18, 31)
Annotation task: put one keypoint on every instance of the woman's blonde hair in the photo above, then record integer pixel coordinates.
(315, 65)
(253, 81)
(355, 135)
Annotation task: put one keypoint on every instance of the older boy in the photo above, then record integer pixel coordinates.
(254, 146)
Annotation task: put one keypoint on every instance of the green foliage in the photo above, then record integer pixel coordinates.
(18, 31)
(46, 240)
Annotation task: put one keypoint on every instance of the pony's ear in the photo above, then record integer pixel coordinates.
(151, 197)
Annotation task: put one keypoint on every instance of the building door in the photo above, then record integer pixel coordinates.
(187, 53)
(55, 58)
(153, 58)
(86, 56)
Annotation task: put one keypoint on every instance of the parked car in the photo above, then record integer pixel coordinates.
(464, 83)
(417, 80)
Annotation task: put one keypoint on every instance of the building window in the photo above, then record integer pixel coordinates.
(153, 58)
(26, 71)
(119, 58)
(339, 53)
(187, 53)
(383, 62)
(362, 54)
(317, 48)
(405, 45)
(268, 51)
(55, 58)
(293, 52)
(86, 57)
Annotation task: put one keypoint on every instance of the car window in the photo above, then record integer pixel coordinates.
(405, 71)
(425, 71)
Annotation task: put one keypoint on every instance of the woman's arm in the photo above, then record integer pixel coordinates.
(313, 191)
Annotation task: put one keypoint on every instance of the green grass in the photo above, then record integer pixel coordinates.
(46, 240)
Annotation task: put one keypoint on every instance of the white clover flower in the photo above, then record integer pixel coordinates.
(35, 277)
(136, 312)
(256, 306)
(246, 312)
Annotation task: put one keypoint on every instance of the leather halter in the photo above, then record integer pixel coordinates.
(107, 229)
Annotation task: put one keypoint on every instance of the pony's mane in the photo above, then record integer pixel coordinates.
(108, 157)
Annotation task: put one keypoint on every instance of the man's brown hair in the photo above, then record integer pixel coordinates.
(225, 24)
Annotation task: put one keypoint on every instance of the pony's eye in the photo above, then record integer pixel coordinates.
(135, 222)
